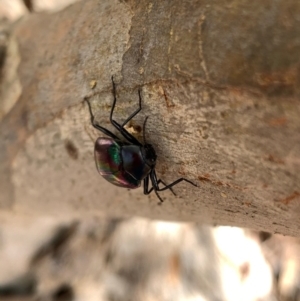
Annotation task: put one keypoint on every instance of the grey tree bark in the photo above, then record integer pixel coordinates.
(220, 84)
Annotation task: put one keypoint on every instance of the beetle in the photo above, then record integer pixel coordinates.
(127, 162)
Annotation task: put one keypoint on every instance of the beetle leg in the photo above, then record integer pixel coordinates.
(115, 98)
(154, 180)
(158, 196)
(144, 130)
(119, 127)
(135, 112)
(155, 186)
(146, 186)
(146, 191)
(176, 182)
(125, 134)
(97, 126)
(115, 101)
(166, 186)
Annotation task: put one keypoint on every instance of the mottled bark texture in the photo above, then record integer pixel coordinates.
(220, 84)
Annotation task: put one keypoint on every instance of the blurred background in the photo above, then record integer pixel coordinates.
(102, 258)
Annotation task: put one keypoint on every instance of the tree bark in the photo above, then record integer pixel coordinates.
(220, 84)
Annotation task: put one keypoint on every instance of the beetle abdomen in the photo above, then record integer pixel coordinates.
(109, 163)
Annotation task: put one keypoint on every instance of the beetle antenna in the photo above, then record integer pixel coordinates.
(144, 130)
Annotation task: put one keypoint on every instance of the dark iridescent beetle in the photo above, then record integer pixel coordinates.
(127, 163)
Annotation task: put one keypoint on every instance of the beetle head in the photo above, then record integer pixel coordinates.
(149, 154)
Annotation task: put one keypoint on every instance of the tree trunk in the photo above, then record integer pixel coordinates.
(220, 84)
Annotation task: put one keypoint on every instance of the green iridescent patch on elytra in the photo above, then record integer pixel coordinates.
(114, 154)
(108, 156)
